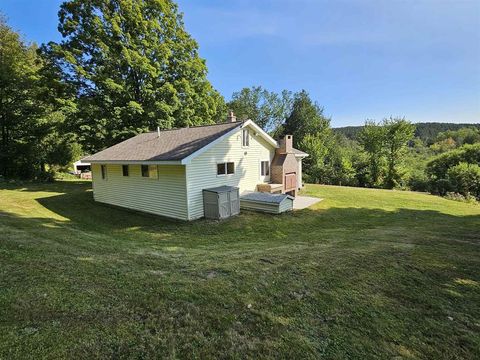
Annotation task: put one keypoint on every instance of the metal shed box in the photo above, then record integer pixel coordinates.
(221, 202)
(265, 202)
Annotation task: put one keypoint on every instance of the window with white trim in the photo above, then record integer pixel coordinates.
(104, 171)
(245, 138)
(149, 171)
(226, 168)
(265, 168)
(125, 170)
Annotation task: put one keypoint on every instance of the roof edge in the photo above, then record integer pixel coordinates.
(134, 162)
(257, 128)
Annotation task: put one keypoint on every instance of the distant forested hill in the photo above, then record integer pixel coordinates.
(425, 131)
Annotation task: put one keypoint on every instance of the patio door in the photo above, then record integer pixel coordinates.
(265, 171)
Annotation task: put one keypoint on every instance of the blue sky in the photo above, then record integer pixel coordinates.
(358, 58)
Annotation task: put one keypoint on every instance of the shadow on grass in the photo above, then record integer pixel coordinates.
(76, 204)
(56, 186)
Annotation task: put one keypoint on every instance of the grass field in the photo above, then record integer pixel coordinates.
(363, 274)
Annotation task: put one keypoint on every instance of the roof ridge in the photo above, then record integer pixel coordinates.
(198, 126)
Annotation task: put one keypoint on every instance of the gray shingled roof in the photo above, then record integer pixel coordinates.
(172, 145)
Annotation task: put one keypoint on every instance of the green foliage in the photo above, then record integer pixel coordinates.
(440, 164)
(452, 139)
(268, 109)
(398, 132)
(443, 145)
(438, 168)
(470, 199)
(306, 118)
(327, 163)
(134, 68)
(465, 179)
(372, 138)
(32, 105)
(385, 144)
(427, 132)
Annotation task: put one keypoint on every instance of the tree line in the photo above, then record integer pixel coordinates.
(427, 132)
(390, 153)
(122, 68)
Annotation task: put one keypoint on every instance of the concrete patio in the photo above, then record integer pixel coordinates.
(302, 202)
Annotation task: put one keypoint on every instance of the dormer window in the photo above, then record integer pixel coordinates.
(245, 138)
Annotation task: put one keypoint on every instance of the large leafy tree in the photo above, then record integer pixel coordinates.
(134, 67)
(312, 133)
(385, 144)
(306, 118)
(398, 132)
(372, 138)
(30, 110)
(18, 70)
(268, 109)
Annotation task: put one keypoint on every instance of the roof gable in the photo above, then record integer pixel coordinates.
(247, 123)
(174, 146)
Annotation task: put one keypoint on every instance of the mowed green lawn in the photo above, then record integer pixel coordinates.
(363, 274)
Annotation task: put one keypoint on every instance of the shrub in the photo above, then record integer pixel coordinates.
(443, 178)
(459, 197)
(464, 178)
(437, 168)
(418, 181)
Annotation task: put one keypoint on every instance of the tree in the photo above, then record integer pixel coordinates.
(398, 132)
(134, 68)
(372, 138)
(19, 114)
(31, 109)
(268, 109)
(306, 118)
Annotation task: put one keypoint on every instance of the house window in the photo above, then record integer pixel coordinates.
(245, 138)
(227, 168)
(125, 170)
(149, 171)
(230, 168)
(265, 168)
(104, 171)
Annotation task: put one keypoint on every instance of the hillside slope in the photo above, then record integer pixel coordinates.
(425, 131)
(363, 274)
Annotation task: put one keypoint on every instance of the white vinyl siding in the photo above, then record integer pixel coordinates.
(202, 171)
(164, 195)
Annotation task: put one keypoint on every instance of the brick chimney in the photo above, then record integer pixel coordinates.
(231, 118)
(286, 145)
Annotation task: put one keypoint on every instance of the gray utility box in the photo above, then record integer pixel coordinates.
(221, 202)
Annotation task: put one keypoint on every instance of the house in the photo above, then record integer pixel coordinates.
(164, 172)
(80, 166)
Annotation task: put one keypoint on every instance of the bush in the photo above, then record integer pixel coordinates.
(455, 171)
(418, 181)
(464, 178)
(459, 197)
(437, 168)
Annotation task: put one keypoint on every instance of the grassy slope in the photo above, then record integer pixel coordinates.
(365, 273)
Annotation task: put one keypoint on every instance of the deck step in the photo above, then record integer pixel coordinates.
(270, 188)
